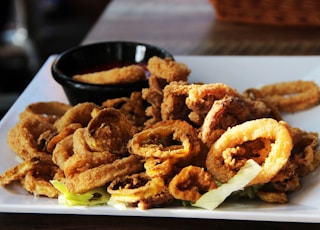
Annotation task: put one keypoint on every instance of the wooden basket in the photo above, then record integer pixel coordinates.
(269, 12)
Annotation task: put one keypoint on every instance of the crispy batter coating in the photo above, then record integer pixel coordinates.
(305, 152)
(228, 112)
(80, 113)
(65, 132)
(37, 181)
(120, 75)
(292, 96)
(168, 69)
(135, 187)
(62, 151)
(133, 108)
(170, 141)
(140, 190)
(165, 139)
(34, 175)
(158, 167)
(173, 106)
(19, 171)
(273, 197)
(83, 158)
(154, 96)
(23, 138)
(103, 174)
(47, 111)
(161, 199)
(202, 96)
(163, 71)
(190, 183)
(109, 130)
(226, 155)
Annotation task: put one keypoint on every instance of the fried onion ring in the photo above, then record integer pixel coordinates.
(190, 183)
(222, 161)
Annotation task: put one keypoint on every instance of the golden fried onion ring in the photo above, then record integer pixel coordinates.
(165, 139)
(220, 160)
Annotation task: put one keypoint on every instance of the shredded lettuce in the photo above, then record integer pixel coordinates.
(215, 197)
(96, 196)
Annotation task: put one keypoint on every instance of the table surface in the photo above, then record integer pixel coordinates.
(184, 27)
(188, 27)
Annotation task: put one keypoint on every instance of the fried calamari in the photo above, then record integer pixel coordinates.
(120, 75)
(190, 183)
(290, 96)
(227, 155)
(163, 71)
(168, 69)
(174, 140)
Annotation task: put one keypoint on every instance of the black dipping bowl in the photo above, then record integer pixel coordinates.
(98, 57)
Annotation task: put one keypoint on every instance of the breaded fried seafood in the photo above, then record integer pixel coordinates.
(229, 153)
(121, 75)
(174, 143)
(291, 96)
(190, 183)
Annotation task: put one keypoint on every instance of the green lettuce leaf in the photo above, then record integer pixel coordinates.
(96, 196)
(212, 199)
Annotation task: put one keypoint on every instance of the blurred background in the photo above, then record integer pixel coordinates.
(32, 30)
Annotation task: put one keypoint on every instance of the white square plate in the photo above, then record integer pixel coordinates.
(240, 72)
